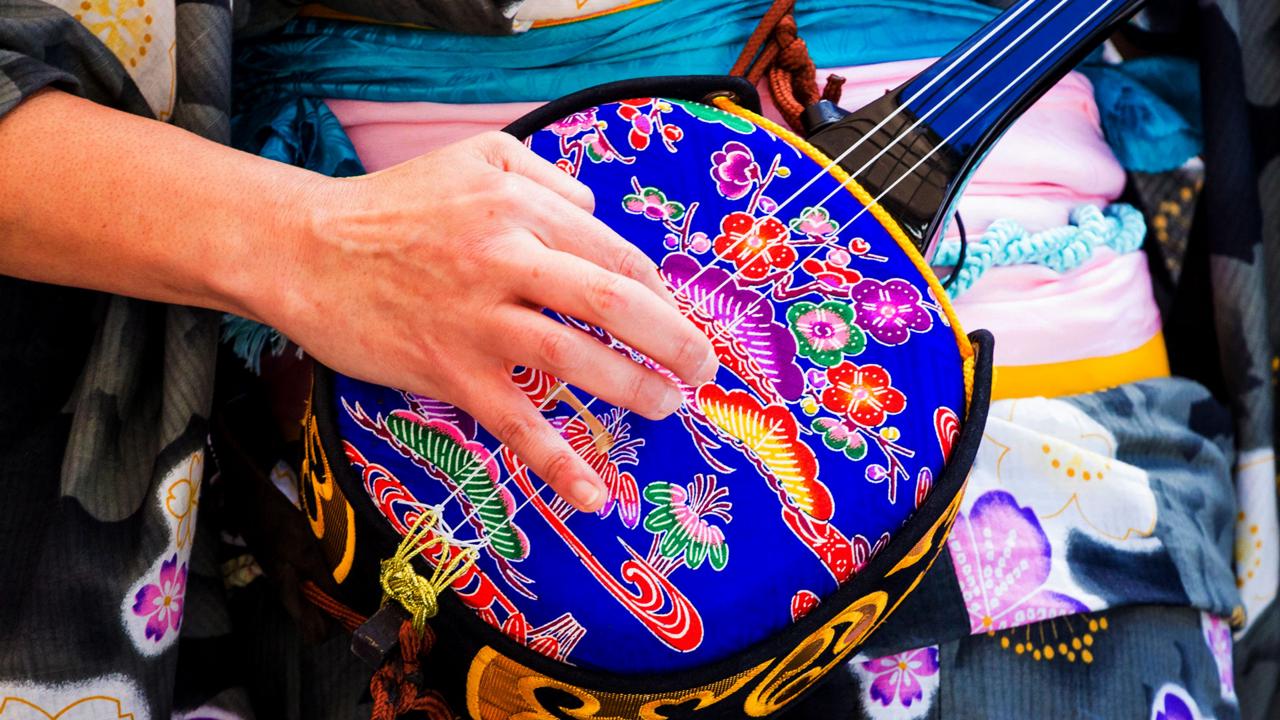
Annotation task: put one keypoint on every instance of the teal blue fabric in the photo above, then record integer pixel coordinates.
(282, 79)
(1150, 111)
(1119, 226)
(324, 58)
(300, 131)
(303, 132)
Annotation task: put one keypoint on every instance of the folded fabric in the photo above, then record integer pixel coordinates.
(1152, 117)
(1148, 360)
(1051, 161)
(315, 57)
(1104, 307)
(1147, 661)
(543, 13)
(1083, 504)
(389, 133)
(1119, 227)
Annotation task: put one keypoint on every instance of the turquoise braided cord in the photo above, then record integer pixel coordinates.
(1120, 227)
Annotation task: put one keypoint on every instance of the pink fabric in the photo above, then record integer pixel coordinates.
(388, 133)
(1053, 159)
(1104, 307)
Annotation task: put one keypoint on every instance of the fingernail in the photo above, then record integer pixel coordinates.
(707, 371)
(586, 494)
(671, 401)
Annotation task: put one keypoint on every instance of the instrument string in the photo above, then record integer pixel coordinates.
(560, 385)
(904, 176)
(923, 159)
(827, 244)
(935, 108)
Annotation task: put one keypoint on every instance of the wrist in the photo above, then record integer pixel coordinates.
(262, 276)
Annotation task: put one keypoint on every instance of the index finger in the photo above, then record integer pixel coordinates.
(563, 227)
(508, 154)
(510, 417)
(570, 285)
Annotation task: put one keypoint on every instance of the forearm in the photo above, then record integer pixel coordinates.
(100, 199)
(426, 276)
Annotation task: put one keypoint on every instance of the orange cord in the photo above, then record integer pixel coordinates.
(394, 687)
(775, 49)
(349, 619)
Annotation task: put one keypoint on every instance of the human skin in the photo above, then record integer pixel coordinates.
(427, 276)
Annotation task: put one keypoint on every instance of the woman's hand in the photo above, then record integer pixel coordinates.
(429, 277)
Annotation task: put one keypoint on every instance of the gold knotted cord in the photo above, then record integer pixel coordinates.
(419, 595)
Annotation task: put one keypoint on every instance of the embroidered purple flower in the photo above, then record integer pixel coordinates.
(817, 378)
(815, 222)
(1002, 560)
(734, 170)
(653, 204)
(889, 310)
(161, 602)
(680, 519)
(825, 333)
(575, 123)
(902, 679)
(697, 243)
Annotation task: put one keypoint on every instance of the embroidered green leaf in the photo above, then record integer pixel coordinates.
(707, 113)
(682, 531)
(444, 447)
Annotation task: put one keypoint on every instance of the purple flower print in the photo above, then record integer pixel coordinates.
(901, 679)
(889, 310)
(1002, 560)
(1173, 704)
(575, 123)
(734, 170)
(653, 204)
(1217, 636)
(161, 602)
(816, 377)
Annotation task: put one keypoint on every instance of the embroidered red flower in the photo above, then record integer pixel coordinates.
(834, 270)
(754, 246)
(863, 394)
(641, 122)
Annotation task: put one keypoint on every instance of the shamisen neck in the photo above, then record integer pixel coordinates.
(915, 147)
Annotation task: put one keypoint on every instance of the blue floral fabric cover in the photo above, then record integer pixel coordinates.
(840, 392)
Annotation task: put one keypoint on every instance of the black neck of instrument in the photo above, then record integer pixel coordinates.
(914, 148)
